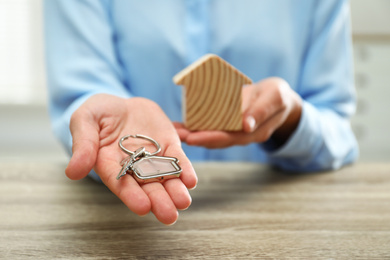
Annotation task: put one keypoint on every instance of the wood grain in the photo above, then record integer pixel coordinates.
(212, 99)
(239, 211)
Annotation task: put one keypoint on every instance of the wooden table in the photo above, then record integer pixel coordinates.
(239, 211)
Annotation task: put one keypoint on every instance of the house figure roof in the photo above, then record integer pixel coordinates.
(212, 94)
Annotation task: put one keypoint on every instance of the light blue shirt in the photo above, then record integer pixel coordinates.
(134, 48)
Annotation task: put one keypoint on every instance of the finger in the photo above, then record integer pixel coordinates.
(266, 130)
(126, 188)
(178, 125)
(209, 139)
(85, 135)
(181, 130)
(218, 139)
(162, 205)
(178, 193)
(248, 94)
(267, 103)
(188, 175)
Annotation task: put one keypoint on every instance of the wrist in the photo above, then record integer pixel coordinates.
(283, 133)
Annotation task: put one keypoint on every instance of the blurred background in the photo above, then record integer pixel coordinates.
(25, 132)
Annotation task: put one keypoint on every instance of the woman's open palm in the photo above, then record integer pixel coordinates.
(96, 128)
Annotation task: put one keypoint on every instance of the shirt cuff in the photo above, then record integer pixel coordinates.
(299, 149)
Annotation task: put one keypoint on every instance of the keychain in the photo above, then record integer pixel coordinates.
(145, 166)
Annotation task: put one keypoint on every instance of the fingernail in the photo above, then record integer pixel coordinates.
(193, 188)
(251, 123)
(143, 215)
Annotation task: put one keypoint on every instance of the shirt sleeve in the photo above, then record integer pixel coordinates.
(81, 59)
(323, 139)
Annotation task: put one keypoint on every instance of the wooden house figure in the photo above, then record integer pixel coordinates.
(212, 94)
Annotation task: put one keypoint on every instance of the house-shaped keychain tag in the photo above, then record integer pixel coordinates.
(212, 94)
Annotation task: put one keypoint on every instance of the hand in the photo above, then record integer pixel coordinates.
(271, 110)
(96, 128)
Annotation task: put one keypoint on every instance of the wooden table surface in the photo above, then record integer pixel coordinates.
(239, 211)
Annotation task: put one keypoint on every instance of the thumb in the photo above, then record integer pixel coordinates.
(85, 134)
(249, 96)
(249, 123)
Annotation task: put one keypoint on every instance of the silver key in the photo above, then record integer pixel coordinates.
(129, 161)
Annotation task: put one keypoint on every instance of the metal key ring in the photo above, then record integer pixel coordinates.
(142, 137)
